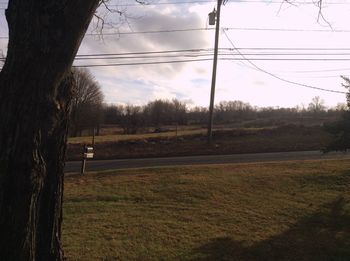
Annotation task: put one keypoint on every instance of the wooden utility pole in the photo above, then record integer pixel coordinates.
(213, 79)
(93, 137)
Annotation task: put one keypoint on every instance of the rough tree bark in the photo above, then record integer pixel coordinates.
(35, 93)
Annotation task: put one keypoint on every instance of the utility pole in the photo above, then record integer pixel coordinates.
(213, 79)
(93, 137)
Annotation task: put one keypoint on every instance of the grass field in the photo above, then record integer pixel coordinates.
(273, 211)
(122, 137)
(194, 142)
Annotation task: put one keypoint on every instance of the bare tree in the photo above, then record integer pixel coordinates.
(113, 114)
(346, 85)
(227, 111)
(87, 102)
(161, 112)
(316, 105)
(132, 119)
(179, 112)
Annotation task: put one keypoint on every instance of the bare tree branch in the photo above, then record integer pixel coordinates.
(320, 16)
(103, 19)
(318, 3)
(283, 2)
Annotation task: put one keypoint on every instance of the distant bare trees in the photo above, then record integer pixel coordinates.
(132, 119)
(346, 85)
(113, 114)
(226, 111)
(159, 113)
(87, 102)
(316, 105)
(154, 114)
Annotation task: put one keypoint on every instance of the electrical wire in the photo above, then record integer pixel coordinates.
(197, 60)
(155, 52)
(142, 63)
(202, 54)
(280, 55)
(251, 51)
(230, 2)
(211, 29)
(287, 30)
(214, 1)
(278, 77)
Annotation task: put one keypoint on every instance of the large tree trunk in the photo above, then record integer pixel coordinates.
(35, 94)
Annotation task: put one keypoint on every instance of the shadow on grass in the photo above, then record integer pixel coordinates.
(323, 236)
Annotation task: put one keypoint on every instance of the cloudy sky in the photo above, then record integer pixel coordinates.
(277, 44)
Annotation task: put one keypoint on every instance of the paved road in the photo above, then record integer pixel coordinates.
(98, 165)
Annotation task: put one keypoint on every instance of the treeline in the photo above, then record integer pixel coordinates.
(155, 114)
(89, 113)
(159, 113)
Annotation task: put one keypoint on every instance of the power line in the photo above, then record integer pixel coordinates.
(190, 60)
(275, 59)
(224, 59)
(230, 2)
(278, 77)
(210, 50)
(287, 29)
(142, 63)
(225, 28)
(205, 55)
(325, 76)
(213, 1)
(221, 49)
(152, 32)
(255, 52)
(145, 57)
(211, 29)
(292, 48)
(154, 52)
(326, 70)
(159, 3)
(202, 52)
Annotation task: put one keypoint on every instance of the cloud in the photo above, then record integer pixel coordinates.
(154, 81)
(236, 80)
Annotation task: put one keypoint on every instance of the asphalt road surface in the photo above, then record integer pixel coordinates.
(100, 165)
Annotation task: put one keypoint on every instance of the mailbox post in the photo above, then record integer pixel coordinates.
(88, 153)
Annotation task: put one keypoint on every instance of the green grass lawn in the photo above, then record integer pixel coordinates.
(273, 211)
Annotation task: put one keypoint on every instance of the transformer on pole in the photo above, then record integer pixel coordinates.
(212, 17)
